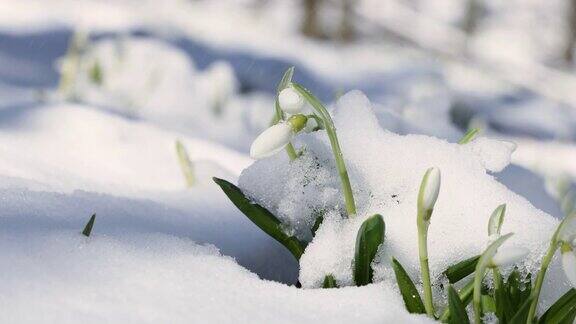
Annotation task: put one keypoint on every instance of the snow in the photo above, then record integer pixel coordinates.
(150, 278)
(204, 73)
(386, 170)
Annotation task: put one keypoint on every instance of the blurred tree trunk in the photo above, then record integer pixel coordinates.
(571, 33)
(472, 16)
(346, 31)
(310, 24)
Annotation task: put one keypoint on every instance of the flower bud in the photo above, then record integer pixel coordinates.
(271, 141)
(429, 189)
(508, 256)
(290, 101)
(569, 263)
(496, 220)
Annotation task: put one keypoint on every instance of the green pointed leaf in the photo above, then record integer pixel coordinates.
(458, 314)
(461, 269)
(562, 309)
(410, 294)
(329, 282)
(522, 313)
(469, 136)
(370, 237)
(260, 216)
(88, 228)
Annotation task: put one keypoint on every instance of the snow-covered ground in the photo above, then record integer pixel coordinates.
(147, 73)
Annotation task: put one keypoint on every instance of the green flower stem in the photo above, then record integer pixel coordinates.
(424, 268)
(554, 244)
(291, 151)
(481, 266)
(497, 277)
(540, 279)
(331, 131)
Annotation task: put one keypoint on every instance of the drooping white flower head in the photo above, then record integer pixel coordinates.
(569, 265)
(429, 188)
(290, 101)
(276, 137)
(509, 255)
(271, 141)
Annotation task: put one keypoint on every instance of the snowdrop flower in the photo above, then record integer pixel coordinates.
(429, 189)
(275, 138)
(508, 255)
(290, 101)
(569, 262)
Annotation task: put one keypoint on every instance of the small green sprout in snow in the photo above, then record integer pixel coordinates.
(470, 135)
(88, 227)
(185, 164)
(70, 64)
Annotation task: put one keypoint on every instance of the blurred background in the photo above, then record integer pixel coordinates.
(209, 69)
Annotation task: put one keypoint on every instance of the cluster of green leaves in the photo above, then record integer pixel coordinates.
(370, 235)
(510, 302)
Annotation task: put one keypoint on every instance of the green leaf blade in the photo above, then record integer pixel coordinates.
(410, 294)
(261, 217)
(562, 309)
(370, 237)
(458, 314)
(461, 269)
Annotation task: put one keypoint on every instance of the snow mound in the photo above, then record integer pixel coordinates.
(151, 278)
(386, 170)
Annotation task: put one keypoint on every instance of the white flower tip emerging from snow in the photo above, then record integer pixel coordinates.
(569, 265)
(429, 188)
(271, 141)
(509, 255)
(290, 101)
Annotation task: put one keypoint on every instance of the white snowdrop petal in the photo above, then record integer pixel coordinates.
(271, 141)
(290, 101)
(509, 255)
(568, 231)
(432, 189)
(569, 266)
